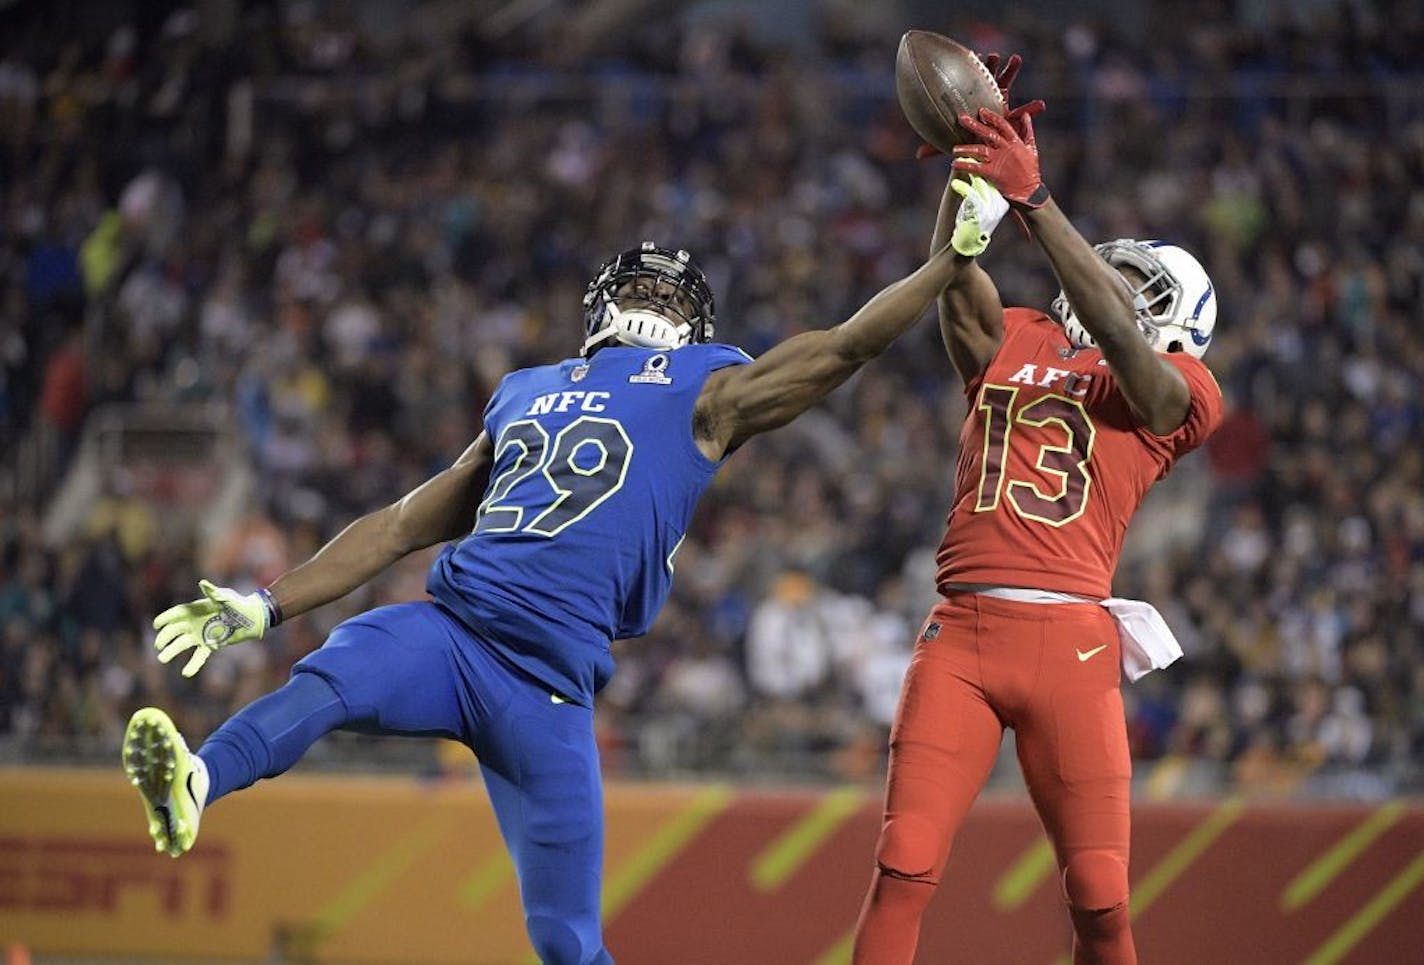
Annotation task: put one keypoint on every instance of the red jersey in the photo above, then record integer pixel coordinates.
(1053, 463)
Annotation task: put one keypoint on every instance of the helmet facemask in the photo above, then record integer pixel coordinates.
(1173, 298)
(648, 297)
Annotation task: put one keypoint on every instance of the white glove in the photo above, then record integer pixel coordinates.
(980, 212)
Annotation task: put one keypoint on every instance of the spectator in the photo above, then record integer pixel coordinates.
(789, 640)
(346, 241)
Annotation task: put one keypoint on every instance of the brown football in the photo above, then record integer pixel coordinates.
(936, 80)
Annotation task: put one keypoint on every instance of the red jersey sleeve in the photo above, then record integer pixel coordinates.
(1203, 415)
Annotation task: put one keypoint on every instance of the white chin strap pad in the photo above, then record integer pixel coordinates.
(639, 328)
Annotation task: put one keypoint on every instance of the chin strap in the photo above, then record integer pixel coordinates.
(638, 328)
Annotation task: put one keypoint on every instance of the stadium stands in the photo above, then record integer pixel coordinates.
(336, 243)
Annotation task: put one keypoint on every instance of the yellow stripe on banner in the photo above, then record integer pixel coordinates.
(839, 953)
(1180, 858)
(367, 885)
(1323, 870)
(625, 882)
(789, 851)
(487, 880)
(1350, 933)
(1034, 866)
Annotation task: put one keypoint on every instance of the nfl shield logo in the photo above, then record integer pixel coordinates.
(577, 373)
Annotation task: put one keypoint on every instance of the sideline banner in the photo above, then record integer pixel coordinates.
(380, 870)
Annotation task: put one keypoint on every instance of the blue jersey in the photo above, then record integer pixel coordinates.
(594, 481)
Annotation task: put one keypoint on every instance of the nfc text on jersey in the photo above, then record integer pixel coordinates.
(565, 401)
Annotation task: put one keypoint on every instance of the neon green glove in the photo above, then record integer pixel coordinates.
(980, 212)
(223, 617)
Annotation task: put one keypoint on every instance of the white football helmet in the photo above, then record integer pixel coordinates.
(1176, 305)
(654, 321)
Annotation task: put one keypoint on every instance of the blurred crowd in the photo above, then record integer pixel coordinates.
(345, 239)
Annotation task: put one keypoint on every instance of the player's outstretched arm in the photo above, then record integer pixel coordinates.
(971, 316)
(441, 509)
(1099, 295)
(1102, 301)
(740, 401)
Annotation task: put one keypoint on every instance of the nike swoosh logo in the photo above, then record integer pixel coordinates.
(556, 699)
(192, 795)
(1084, 655)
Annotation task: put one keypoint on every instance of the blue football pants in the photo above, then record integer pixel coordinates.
(415, 670)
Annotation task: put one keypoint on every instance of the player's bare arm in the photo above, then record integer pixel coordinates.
(441, 509)
(1103, 303)
(971, 316)
(740, 401)
(1099, 295)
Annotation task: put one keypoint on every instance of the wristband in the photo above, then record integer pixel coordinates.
(274, 611)
(1038, 198)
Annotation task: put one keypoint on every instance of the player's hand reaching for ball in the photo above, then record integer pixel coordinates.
(1005, 72)
(1004, 75)
(981, 208)
(1004, 156)
(221, 618)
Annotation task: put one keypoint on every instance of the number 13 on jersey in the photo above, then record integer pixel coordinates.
(1064, 456)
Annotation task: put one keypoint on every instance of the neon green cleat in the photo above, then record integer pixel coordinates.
(171, 780)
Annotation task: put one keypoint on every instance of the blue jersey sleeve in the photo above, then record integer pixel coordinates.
(719, 356)
(497, 415)
(491, 414)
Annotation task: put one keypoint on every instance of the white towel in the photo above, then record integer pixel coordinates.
(1147, 641)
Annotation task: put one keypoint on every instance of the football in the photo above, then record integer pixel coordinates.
(936, 80)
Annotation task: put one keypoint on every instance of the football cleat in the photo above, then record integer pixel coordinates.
(171, 780)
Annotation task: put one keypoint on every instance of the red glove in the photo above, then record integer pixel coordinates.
(1004, 158)
(1004, 77)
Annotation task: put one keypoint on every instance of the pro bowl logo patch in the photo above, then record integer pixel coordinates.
(654, 371)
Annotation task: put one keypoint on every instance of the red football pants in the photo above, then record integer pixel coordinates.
(1051, 672)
